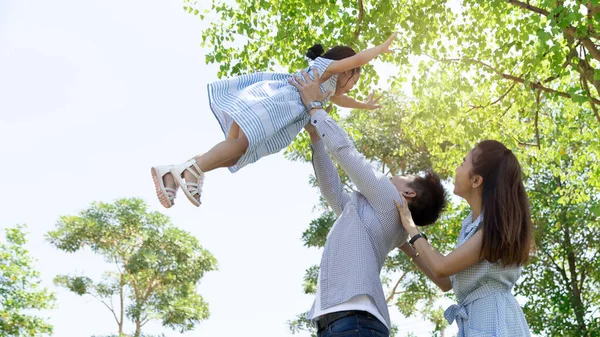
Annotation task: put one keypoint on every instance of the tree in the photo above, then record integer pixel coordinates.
(545, 45)
(156, 265)
(20, 290)
(563, 283)
(524, 73)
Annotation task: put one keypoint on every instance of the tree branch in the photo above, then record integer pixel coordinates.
(393, 292)
(569, 30)
(151, 286)
(552, 78)
(532, 85)
(590, 16)
(557, 267)
(582, 278)
(494, 102)
(575, 290)
(587, 89)
(537, 113)
(106, 305)
(593, 10)
(529, 7)
(361, 16)
(586, 42)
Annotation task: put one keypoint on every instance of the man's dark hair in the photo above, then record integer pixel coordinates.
(430, 200)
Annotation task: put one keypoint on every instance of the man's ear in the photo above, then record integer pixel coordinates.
(409, 194)
(477, 181)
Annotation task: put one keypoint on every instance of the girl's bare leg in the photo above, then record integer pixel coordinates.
(224, 154)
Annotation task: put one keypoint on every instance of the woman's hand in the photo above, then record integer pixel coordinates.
(406, 217)
(371, 103)
(385, 47)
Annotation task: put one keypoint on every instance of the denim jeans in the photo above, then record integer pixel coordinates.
(359, 325)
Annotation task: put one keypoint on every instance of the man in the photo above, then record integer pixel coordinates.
(350, 299)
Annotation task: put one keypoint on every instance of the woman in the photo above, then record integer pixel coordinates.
(493, 244)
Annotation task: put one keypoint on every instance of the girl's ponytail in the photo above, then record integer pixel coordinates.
(315, 51)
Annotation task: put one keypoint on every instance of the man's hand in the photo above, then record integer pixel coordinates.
(310, 90)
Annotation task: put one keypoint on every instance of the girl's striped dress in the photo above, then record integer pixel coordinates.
(266, 107)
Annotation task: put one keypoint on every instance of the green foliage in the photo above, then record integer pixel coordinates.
(562, 284)
(157, 266)
(524, 73)
(20, 291)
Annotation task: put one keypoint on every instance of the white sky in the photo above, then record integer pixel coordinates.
(92, 94)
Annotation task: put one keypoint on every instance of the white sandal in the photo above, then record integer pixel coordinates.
(166, 195)
(191, 190)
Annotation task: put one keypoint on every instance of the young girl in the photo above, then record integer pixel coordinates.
(261, 113)
(493, 244)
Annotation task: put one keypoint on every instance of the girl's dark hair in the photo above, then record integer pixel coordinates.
(507, 227)
(336, 53)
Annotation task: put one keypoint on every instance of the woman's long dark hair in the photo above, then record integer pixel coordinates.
(507, 227)
(336, 53)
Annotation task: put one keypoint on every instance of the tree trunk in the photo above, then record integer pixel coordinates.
(575, 291)
(138, 328)
(122, 304)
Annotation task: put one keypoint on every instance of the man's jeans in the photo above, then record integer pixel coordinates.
(359, 325)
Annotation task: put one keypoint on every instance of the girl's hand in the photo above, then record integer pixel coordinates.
(385, 47)
(371, 103)
(406, 217)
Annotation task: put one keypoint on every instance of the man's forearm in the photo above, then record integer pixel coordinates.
(372, 184)
(314, 137)
(328, 178)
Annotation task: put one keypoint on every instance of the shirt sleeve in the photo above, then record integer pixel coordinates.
(372, 184)
(328, 178)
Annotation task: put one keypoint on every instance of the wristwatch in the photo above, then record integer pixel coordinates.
(314, 105)
(415, 238)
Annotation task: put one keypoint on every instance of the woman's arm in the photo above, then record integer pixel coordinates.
(349, 102)
(361, 58)
(441, 266)
(443, 283)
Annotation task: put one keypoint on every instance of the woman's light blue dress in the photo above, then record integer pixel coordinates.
(486, 305)
(266, 107)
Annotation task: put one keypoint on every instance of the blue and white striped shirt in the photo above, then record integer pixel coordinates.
(368, 225)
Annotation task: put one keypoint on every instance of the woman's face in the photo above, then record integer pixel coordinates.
(463, 183)
(346, 81)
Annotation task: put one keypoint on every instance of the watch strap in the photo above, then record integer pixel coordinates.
(315, 104)
(416, 237)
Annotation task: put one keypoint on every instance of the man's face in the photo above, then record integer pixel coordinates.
(403, 185)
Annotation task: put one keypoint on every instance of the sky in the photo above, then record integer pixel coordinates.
(94, 93)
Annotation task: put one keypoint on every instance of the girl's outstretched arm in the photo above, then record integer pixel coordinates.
(361, 58)
(349, 102)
